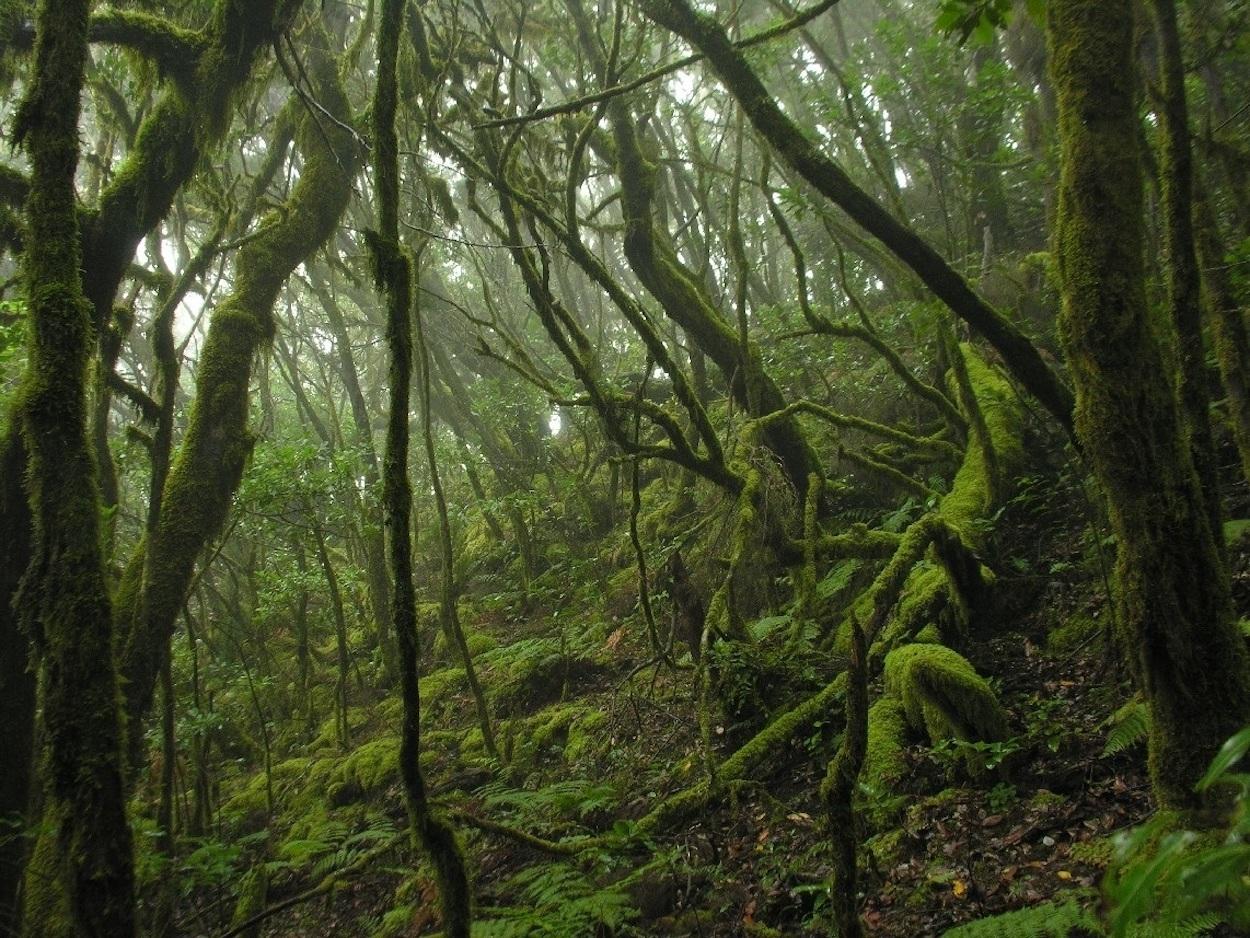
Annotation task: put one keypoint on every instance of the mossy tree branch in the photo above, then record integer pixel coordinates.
(680, 293)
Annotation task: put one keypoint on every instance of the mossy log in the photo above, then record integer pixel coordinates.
(884, 764)
(943, 695)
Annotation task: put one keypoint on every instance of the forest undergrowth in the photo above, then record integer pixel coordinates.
(595, 733)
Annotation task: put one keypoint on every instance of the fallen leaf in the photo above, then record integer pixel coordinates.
(960, 888)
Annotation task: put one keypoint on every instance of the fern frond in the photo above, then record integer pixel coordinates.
(1129, 726)
(1057, 919)
(1193, 927)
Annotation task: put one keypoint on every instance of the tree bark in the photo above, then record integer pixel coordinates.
(64, 601)
(1174, 614)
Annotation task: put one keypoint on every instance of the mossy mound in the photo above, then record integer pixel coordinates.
(249, 806)
(253, 891)
(568, 728)
(533, 672)
(366, 770)
(943, 695)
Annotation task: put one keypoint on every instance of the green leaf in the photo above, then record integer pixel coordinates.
(1229, 754)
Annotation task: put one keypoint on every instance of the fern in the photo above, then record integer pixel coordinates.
(1129, 727)
(331, 846)
(1193, 927)
(560, 799)
(556, 901)
(1058, 919)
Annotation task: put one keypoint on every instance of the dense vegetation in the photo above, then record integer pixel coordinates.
(542, 467)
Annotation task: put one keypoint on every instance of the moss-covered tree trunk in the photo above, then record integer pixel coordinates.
(1176, 178)
(1173, 604)
(394, 279)
(64, 601)
(210, 461)
(17, 679)
(170, 144)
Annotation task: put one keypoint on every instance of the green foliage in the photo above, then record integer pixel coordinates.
(979, 18)
(1130, 725)
(570, 797)
(556, 900)
(1062, 918)
(986, 756)
(331, 845)
(837, 579)
(1164, 881)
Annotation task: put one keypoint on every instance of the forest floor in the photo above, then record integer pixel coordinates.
(594, 740)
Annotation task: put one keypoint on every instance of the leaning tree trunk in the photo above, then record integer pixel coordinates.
(210, 461)
(64, 601)
(1174, 613)
(730, 64)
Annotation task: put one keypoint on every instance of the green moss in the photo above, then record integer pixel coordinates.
(1045, 800)
(370, 768)
(929, 635)
(884, 762)
(972, 495)
(45, 906)
(479, 643)
(1097, 852)
(253, 892)
(1235, 531)
(943, 695)
(327, 733)
(568, 727)
(1071, 633)
(249, 806)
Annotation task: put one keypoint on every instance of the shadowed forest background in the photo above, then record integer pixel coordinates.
(624, 468)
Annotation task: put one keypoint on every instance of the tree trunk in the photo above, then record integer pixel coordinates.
(210, 461)
(64, 601)
(1173, 609)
